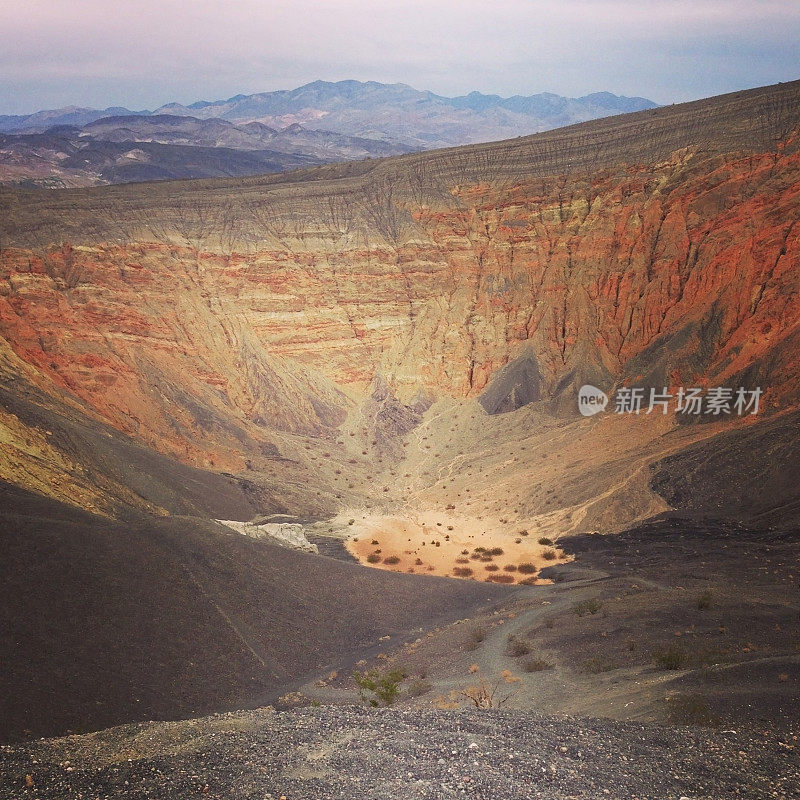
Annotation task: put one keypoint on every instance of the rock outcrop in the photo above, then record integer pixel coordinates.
(288, 534)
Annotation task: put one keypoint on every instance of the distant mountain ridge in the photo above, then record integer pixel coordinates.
(124, 149)
(389, 112)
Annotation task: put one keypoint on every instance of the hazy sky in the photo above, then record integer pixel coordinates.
(143, 53)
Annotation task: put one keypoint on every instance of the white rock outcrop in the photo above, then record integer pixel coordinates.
(288, 534)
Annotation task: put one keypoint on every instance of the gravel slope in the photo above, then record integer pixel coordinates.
(358, 753)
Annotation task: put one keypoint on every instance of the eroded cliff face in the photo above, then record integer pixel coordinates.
(253, 326)
(682, 272)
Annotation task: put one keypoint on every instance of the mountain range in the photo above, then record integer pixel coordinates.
(318, 123)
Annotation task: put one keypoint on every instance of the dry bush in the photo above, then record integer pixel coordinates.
(535, 665)
(485, 695)
(517, 647)
(474, 638)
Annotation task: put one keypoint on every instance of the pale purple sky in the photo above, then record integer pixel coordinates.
(143, 53)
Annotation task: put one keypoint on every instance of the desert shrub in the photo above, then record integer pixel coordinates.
(485, 695)
(526, 568)
(475, 637)
(500, 578)
(535, 665)
(523, 533)
(532, 581)
(591, 606)
(418, 562)
(491, 568)
(462, 561)
(373, 558)
(462, 572)
(391, 560)
(510, 567)
(691, 709)
(594, 666)
(374, 541)
(670, 658)
(496, 551)
(549, 555)
(544, 540)
(418, 688)
(704, 600)
(517, 647)
(379, 688)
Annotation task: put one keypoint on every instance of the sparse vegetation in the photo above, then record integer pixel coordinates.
(418, 687)
(391, 560)
(500, 578)
(516, 647)
(535, 665)
(597, 665)
(544, 540)
(591, 606)
(485, 694)
(670, 658)
(378, 688)
(704, 600)
(549, 555)
(462, 572)
(691, 709)
(526, 568)
(373, 558)
(475, 637)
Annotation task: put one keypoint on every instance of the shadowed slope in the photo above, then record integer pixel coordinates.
(114, 621)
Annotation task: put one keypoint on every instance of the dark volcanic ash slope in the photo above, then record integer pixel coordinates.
(145, 617)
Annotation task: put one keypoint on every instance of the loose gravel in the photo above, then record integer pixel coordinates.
(364, 754)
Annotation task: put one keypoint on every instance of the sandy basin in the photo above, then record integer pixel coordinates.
(456, 547)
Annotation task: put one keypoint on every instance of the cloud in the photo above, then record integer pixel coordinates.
(60, 52)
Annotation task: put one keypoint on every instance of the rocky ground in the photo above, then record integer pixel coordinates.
(353, 752)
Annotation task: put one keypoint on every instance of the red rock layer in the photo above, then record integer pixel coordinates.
(194, 351)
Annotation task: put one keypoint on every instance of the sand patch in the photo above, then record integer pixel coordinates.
(457, 547)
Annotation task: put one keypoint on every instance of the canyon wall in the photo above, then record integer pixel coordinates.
(208, 319)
